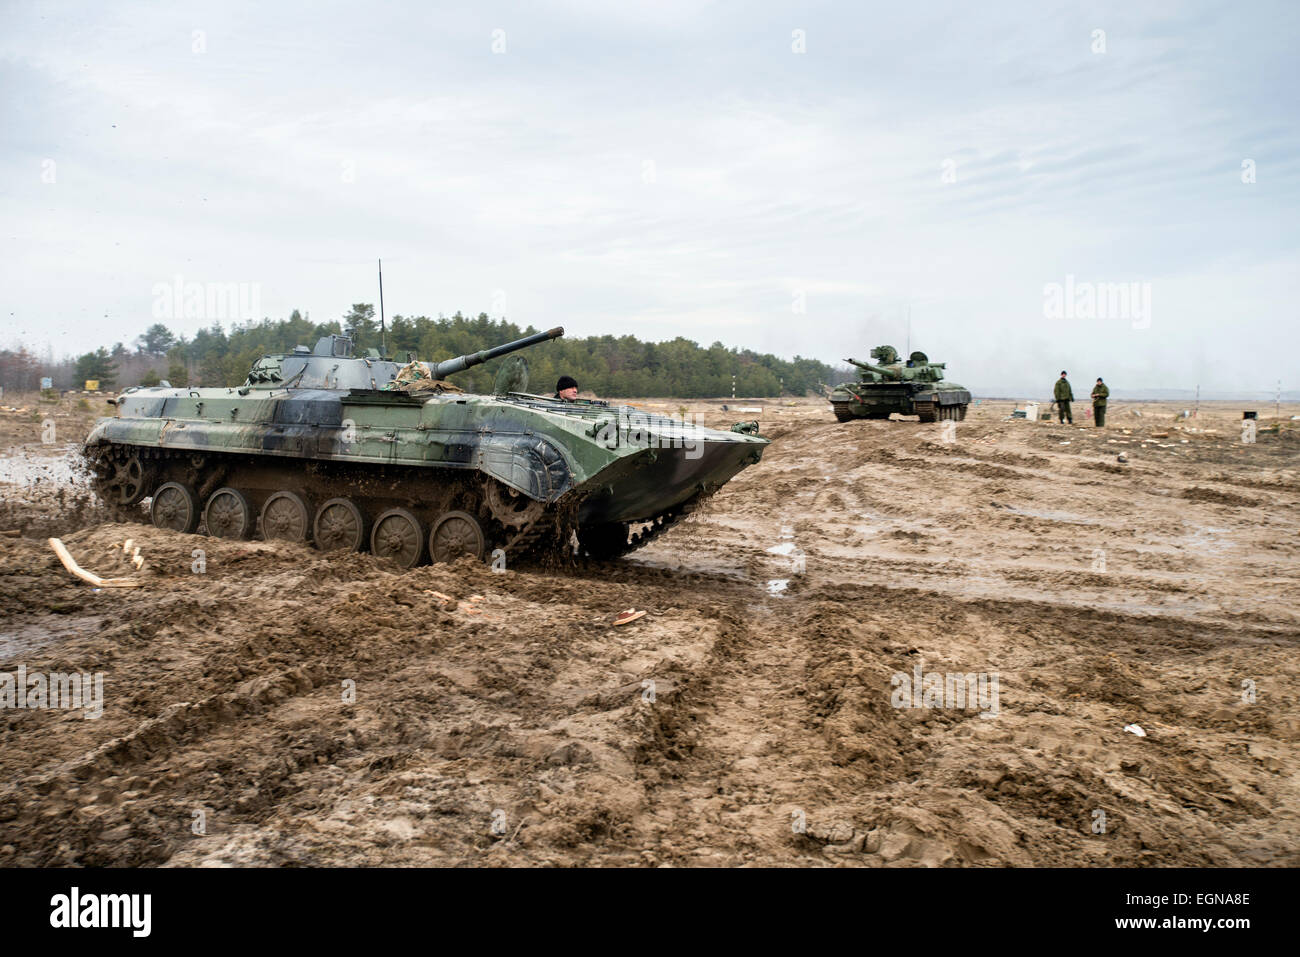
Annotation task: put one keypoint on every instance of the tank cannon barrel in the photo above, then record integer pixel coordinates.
(460, 363)
(879, 370)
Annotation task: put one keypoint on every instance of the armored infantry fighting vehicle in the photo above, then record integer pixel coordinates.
(364, 453)
(914, 387)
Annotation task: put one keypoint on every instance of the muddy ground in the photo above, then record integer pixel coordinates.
(273, 705)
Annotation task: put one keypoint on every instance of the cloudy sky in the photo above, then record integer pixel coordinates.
(795, 178)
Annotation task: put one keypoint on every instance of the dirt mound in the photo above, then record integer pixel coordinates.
(1217, 497)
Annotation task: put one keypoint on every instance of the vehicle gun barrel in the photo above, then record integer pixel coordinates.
(879, 370)
(460, 363)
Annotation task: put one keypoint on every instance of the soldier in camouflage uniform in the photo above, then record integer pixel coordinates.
(1064, 395)
(1099, 396)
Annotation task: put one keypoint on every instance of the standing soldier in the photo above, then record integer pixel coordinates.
(1099, 395)
(1064, 395)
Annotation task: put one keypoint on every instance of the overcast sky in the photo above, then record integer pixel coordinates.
(665, 168)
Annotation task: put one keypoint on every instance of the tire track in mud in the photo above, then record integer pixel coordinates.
(205, 726)
(790, 713)
(946, 795)
(756, 733)
(111, 806)
(478, 713)
(1023, 789)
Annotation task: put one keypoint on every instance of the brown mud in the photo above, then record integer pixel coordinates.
(268, 704)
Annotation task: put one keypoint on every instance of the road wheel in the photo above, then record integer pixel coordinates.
(455, 534)
(285, 518)
(228, 514)
(340, 526)
(397, 535)
(174, 506)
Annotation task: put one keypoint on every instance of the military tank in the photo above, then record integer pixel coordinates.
(914, 387)
(360, 452)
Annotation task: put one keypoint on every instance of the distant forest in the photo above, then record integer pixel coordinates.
(606, 365)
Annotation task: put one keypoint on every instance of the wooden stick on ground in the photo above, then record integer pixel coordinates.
(71, 565)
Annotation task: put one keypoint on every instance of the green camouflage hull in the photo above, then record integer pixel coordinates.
(524, 467)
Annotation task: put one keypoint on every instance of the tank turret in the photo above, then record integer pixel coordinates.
(334, 365)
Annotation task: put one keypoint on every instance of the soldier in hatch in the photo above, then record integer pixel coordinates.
(566, 388)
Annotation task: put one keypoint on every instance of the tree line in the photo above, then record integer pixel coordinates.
(606, 365)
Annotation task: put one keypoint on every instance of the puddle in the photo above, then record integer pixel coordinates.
(1204, 538)
(30, 468)
(871, 531)
(785, 548)
(689, 565)
(29, 638)
(777, 586)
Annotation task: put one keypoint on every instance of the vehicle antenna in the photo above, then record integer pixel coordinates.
(383, 332)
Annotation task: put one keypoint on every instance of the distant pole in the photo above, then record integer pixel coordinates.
(1197, 409)
(733, 385)
(909, 330)
(1277, 400)
(383, 332)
